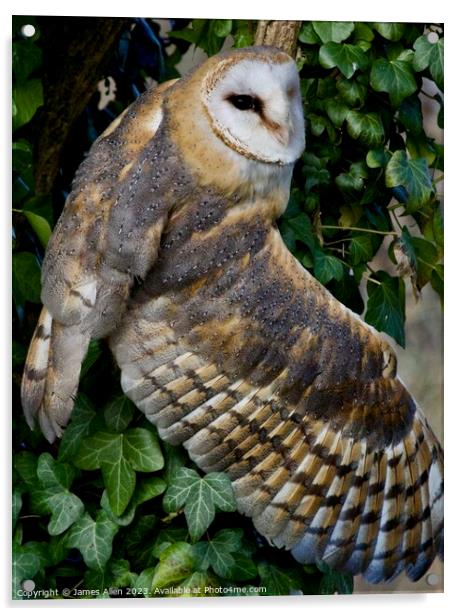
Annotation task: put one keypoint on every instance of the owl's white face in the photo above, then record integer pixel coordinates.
(255, 108)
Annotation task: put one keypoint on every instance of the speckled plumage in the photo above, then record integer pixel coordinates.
(168, 246)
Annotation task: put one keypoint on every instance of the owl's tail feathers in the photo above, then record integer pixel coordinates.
(51, 374)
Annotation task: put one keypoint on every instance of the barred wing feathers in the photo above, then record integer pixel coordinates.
(261, 373)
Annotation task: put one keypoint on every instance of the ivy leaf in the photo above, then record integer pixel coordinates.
(40, 226)
(26, 278)
(242, 34)
(361, 249)
(141, 447)
(353, 91)
(119, 456)
(56, 479)
(191, 34)
(93, 353)
(277, 581)
(421, 146)
(27, 57)
(175, 564)
(118, 413)
(175, 458)
(57, 550)
(102, 446)
(334, 582)
(336, 111)
(139, 542)
(347, 58)
(390, 31)
(23, 170)
(412, 175)
(377, 158)
(354, 180)
(386, 305)
(65, 509)
(347, 292)
(438, 227)
(167, 537)
(25, 464)
(366, 127)
(199, 510)
(243, 568)
(143, 581)
(83, 421)
(118, 476)
(148, 488)
(121, 520)
(27, 98)
(121, 575)
(16, 504)
(222, 27)
(302, 229)
(53, 474)
(327, 267)
(336, 31)
(437, 280)
(179, 489)
(430, 54)
(426, 258)
(200, 496)
(93, 539)
(363, 32)
(25, 565)
(394, 77)
(217, 552)
(308, 35)
(410, 115)
(317, 124)
(221, 491)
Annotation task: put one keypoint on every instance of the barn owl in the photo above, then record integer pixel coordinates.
(168, 246)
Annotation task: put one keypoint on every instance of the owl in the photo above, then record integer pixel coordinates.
(168, 247)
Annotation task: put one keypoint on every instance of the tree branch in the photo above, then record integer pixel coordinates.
(75, 51)
(281, 34)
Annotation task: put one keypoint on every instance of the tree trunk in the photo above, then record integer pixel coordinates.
(281, 34)
(75, 51)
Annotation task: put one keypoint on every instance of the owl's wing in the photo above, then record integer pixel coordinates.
(108, 234)
(275, 382)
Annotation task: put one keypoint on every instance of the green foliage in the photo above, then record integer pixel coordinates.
(369, 167)
(112, 511)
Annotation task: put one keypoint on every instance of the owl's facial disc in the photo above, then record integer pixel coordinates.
(255, 108)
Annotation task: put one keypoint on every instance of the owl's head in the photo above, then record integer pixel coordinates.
(253, 102)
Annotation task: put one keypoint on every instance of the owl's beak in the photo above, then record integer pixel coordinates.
(283, 134)
(284, 129)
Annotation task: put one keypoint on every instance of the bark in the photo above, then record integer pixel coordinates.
(75, 51)
(281, 34)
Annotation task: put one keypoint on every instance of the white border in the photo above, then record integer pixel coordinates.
(354, 10)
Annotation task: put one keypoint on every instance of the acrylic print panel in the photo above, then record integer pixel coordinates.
(221, 246)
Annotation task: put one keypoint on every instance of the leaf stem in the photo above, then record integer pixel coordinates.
(359, 229)
(394, 215)
(428, 95)
(370, 279)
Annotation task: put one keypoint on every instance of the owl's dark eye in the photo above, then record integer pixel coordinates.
(245, 102)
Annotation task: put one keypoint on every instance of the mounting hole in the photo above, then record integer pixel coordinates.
(28, 30)
(433, 37)
(432, 579)
(28, 585)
